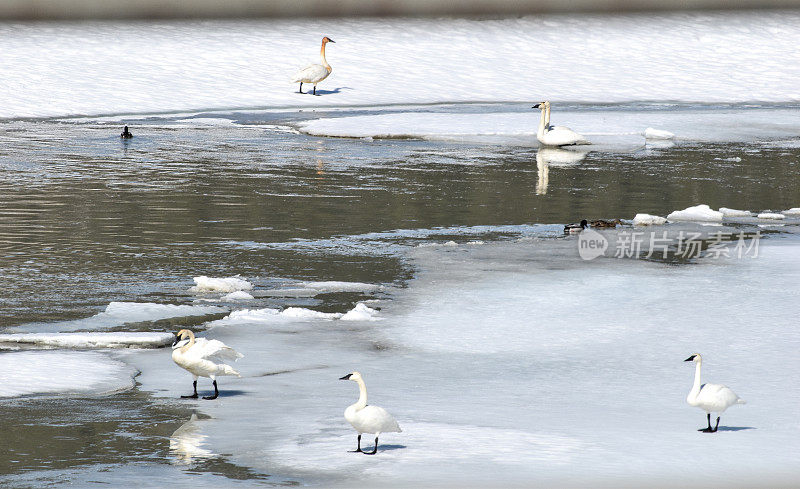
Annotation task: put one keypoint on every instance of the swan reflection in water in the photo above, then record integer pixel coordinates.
(547, 157)
(186, 443)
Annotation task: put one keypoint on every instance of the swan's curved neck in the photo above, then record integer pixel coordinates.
(322, 55)
(696, 385)
(185, 347)
(542, 123)
(362, 395)
(547, 116)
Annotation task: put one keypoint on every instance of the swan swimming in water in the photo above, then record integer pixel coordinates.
(711, 398)
(368, 419)
(315, 73)
(203, 358)
(555, 135)
(126, 134)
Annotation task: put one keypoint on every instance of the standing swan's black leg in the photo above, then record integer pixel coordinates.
(193, 396)
(315, 90)
(301, 88)
(375, 450)
(216, 392)
(715, 427)
(708, 430)
(359, 445)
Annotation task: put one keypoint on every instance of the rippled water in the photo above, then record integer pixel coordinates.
(86, 219)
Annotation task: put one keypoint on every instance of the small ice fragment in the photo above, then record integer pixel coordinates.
(794, 211)
(734, 159)
(360, 313)
(239, 295)
(734, 212)
(651, 133)
(475, 243)
(700, 212)
(450, 243)
(227, 284)
(648, 220)
(771, 215)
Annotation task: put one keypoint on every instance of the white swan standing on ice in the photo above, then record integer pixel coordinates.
(317, 72)
(368, 419)
(711, 398)
(203, 358)
(555, 135)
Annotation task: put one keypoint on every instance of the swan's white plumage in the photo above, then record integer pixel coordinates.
(315, 73)
(371, 419)
(555, 135)
(204, 358)
(365, 418)
(711, 398)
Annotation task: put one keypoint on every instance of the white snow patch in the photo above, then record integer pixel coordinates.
(794, 211)
(648, 220)
(89, 340)
(239, 295)
(360, 313)
(29, 373)
(215, 284)
(119, 313)
(726, 212)
(651, 133)
(771, 215)
(700, 212)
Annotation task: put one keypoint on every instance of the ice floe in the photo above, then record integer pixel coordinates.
(28, 373)
(119, 313)
(648, 220)
(700, 212)
(220, 284)
(239, 295)
(726, 212)
(651, 133)
(794, 211)
(88, 340)
(771, 215)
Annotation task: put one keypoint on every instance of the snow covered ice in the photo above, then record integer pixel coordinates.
(193, 65)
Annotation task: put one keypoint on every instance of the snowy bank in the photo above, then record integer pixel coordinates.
(88, 340)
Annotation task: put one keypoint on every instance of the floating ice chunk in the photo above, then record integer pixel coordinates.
(771, 215)
(450, 243)
(30, 373)
(303, 313)
(700, 212)
(794, 211)
(89, 340)
(227, 284)
(648, 220)
(734, 212)
(475, 243)
(333, 286)
(360, 313)
(119, 313)
(239, 295)
(651, 133)
(734, 159)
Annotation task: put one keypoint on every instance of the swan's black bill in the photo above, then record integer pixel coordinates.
(331, 40)
(690, 358)
(346, 377)
(536, 106)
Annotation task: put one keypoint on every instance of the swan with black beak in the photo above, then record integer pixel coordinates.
(203, 358)
(368, 419)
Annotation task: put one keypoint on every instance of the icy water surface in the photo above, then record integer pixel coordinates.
(493, 322)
